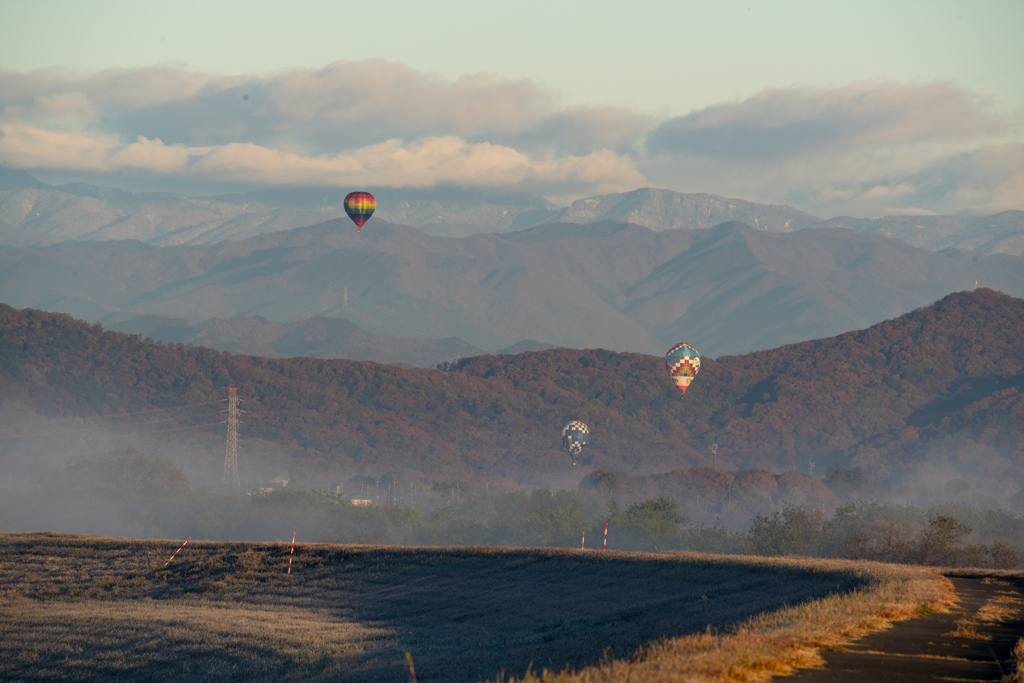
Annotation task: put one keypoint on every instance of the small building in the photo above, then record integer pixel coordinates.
(262, 491)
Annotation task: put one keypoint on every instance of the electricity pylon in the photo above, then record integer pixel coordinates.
(231, 454)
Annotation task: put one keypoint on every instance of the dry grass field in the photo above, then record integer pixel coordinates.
(75, 607)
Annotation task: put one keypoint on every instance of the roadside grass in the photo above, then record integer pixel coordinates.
(75, 607)
(1006, 605)
(1017, 676)
(170, 640)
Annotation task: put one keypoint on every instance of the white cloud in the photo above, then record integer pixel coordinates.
(861, 149)
(342, 106)
(372, 123)
(985, 180)
(864, 149)
(350, 92)
(437, 160)
(431, 161)
(112, 88)
(779, 123)
(907, 211)
(151, 155)
(24, 146)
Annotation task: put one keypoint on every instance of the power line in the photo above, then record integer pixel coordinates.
(182, 428)
(64, 429)
(58, 420)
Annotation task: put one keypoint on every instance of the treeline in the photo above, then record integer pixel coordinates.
(732, 499)
(893, 533)
(711, 496)
(128, 494)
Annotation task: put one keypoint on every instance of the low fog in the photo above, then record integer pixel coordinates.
(160, 474)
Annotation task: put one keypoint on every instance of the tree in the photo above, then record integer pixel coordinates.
(940, 542)
(790, 531)
(653, 524)
(844, 482)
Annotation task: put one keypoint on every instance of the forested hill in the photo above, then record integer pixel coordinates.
(945, 379)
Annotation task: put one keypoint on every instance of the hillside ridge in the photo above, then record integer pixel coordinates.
(943, 384)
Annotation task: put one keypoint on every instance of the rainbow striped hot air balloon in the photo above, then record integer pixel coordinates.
(683, 363)
(359, 206)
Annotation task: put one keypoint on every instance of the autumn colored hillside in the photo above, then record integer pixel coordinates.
(945, 381)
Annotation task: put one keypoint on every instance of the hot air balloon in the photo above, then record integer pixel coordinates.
(359, 206)
(683, 363)
(574, 438)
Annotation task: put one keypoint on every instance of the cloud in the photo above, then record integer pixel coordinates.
(907, 211)
(865, 149)
(112, 89)
(582, 129)
(344, 93)
(23, 146)
(781, 123)
(342, 106)
(423, 163)
(866, 182)
(152, 155)
(370, 122)
(861, 149)
(986, 180)
(431, 161)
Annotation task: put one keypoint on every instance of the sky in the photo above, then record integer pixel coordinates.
(837, 108)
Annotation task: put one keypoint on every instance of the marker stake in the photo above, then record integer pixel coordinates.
(177, 551)
(291, 555)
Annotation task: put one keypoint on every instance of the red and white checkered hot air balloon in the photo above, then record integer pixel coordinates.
(574, 437)
(683, 363)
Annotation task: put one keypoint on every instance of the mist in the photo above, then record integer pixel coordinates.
(78, 478)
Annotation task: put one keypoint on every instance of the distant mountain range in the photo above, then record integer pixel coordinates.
(316, 337)
(1002, 233)
(34, 213)
(668, 210)
(727, 289)
(937, 394)
(267, 273)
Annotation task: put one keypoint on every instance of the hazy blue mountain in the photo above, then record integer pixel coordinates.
(526, 346)
(316, 337)
(84, 212)
(728, 289)
(14, 179)
(442, 211)
(34, 213)
(1002, 233)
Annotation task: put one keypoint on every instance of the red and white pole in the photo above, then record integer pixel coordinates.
(291, 555)
(605, 546)
(584, 541)
(177, 551)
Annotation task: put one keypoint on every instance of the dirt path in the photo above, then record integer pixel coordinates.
(971, 643)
